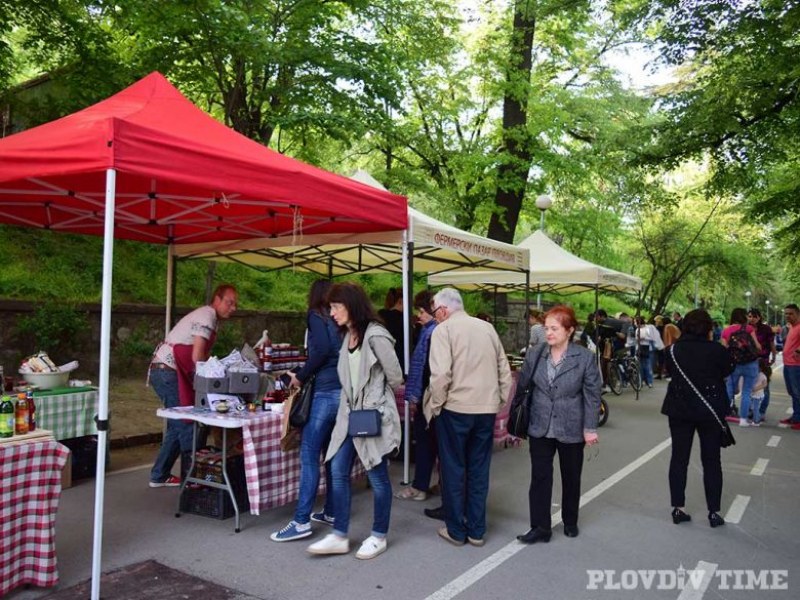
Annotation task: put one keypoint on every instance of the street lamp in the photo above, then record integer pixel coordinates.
(747, 294)
(767, 303)
(543, 202)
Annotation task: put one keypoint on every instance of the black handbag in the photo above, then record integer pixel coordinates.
(519, 416)
(301, 407)
(726, 439)
(364, 423)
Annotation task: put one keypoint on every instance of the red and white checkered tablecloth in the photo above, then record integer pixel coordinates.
(30, 487)
(273, 476)
(501, 436)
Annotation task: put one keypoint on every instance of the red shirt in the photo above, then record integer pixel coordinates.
(790, 357)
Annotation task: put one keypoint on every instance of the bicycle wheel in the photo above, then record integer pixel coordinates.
(614, 380)
(603, 413)
(635, 375)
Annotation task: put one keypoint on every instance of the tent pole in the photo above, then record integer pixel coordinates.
(102, 410)
(170, 289)
(495, 306)
(408, 303)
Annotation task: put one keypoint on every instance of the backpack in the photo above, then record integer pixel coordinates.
(741, 346)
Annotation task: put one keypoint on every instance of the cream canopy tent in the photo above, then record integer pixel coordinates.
(427, 245)
(555, 270)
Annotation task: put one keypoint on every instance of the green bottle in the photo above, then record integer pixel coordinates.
(6, 418)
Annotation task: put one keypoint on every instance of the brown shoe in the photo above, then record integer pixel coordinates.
(478, 542)
(444, 534)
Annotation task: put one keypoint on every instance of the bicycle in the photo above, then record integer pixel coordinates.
(603, 413)
(624, 368)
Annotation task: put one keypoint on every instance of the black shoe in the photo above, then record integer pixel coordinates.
(678, 516)
(537, 534)
(571, 530)
(715, 520)
(435, 513)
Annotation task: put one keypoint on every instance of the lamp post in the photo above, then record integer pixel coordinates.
(767, 303)
(747, 295)
(543, 202)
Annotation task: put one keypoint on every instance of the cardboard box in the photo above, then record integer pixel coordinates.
(66, 472)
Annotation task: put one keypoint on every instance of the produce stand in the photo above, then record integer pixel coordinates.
(69, 412)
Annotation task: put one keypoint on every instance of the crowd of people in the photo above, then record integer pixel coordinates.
(459, 378)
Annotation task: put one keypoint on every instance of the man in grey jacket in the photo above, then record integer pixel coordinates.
(470, 381)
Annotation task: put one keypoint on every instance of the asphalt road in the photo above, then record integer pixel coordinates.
(627, 548)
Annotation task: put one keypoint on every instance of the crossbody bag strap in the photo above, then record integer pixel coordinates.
(529, 391)
(696, 391)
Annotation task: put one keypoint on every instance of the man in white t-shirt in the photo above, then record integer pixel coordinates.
(172, 375)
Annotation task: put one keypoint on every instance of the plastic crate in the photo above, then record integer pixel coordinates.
(213, 502)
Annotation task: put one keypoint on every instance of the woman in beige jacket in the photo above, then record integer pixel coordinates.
(369, 373)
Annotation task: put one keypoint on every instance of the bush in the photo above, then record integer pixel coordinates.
(52, 327)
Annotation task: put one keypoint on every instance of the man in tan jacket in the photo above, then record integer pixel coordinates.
(470, 381)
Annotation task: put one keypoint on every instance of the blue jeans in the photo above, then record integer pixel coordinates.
(646, 367)
(425, 451)
(316, 435)
(791, 376)
(748, 372)
(765, 401)
(465, 454)
(178, 436)
(341, 465)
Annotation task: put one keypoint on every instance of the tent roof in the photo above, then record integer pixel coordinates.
(438, 247)
(182, 177)
(554, 269)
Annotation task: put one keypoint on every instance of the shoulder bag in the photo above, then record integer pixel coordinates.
(520, 414)
(727, 435)
(301, 407)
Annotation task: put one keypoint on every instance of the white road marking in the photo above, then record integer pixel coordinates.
(760, 466)
(774, 441)
(738, 506)
(486, 566)
(690, 592)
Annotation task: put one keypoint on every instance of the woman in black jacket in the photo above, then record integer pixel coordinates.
(706, 364)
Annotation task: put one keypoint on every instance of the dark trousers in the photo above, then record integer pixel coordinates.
(710, 436)
(465, 455)
(540, 494)
(425, 451)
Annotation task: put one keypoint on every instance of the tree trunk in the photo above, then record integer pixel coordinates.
(513, 170)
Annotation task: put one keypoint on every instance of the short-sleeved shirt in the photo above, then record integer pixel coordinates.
(200, 322)
(726, 333)
(764, 335)
(790, 358)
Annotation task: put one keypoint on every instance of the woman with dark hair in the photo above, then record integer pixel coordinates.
(698, 367)
(323, 343)
(392, 315)
(563, 384)
(369, 372)
(736, 337)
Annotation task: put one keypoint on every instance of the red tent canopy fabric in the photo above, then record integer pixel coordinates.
(181, 177)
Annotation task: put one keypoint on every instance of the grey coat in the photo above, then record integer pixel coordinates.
(572, 401)
(379, 375)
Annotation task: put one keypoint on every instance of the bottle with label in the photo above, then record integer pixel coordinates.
(6, 417)
(31, 411)
(22, 414)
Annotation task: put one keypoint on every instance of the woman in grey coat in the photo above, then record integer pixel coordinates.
(369, 373)
(563, 383)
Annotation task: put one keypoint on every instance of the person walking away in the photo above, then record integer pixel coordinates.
(392, 315)
(171, 374)
(564, 394)
(470, 381)
(766, 358)
(647, 341)
(324, 341)
(740, 340)
(369, 373)
(791, 364)
(419, 376)
(706, 364)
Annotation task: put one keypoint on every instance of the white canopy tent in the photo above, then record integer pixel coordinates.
(555, 270)
(428, 245)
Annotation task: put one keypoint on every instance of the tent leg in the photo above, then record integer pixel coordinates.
(408, 303)
(102, 410)
(170, 301)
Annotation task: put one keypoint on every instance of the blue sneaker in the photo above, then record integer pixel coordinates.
(293, 531)
(321, 517)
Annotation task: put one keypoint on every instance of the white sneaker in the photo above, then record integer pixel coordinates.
(330, 544)
(371, 547)
(743, 423)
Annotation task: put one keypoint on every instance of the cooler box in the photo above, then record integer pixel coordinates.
(243, 383)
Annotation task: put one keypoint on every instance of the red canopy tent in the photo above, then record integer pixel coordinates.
(148, 165)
